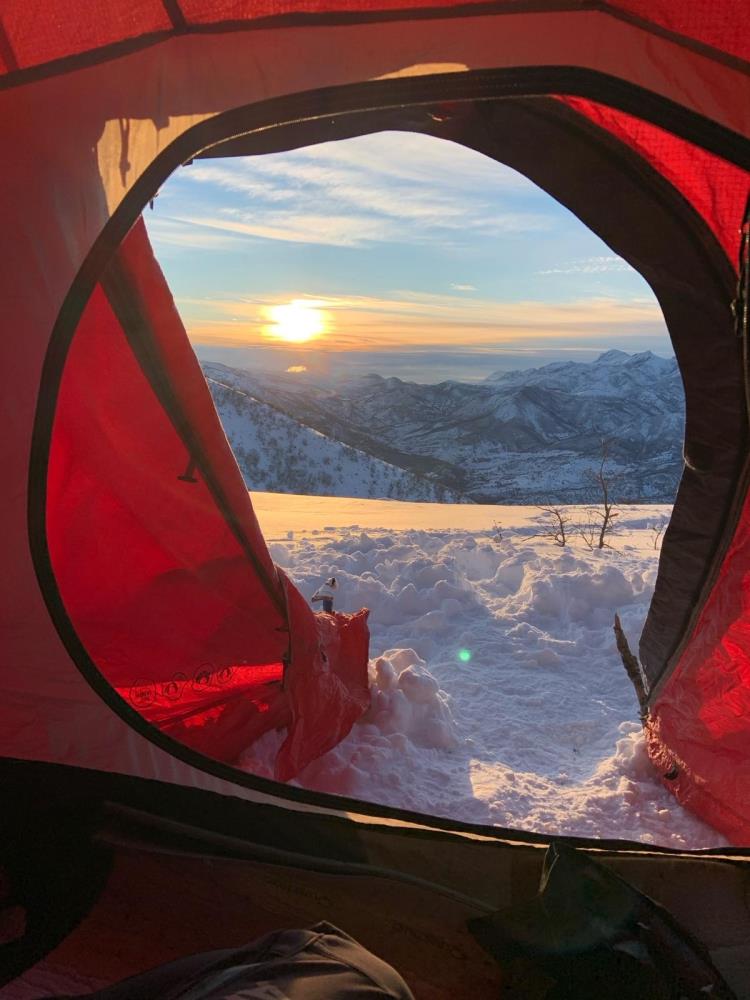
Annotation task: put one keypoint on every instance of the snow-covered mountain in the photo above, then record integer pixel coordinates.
(519, 437)
(613, 374)
(278, 454)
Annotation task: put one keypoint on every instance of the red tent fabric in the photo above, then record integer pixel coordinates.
(158, 557)
(716, 188)
(35, 34)
(142, 612)
(327, 679)
(697, 728)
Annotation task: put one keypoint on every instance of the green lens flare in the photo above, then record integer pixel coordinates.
(464, 655)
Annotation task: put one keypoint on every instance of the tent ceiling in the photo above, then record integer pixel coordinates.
(60, 34)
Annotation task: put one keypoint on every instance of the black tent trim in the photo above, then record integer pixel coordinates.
(481, 86)
(244, 827)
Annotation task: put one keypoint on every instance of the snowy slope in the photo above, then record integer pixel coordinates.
(275, 452)
(613, 374)
(537, 728)
(519, 437)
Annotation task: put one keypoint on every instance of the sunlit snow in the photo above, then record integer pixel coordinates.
(498, 695)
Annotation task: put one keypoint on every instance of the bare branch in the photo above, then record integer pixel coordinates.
(589, 530)
(557, 530)
(657, 530)
(632, 666)
(596, 536)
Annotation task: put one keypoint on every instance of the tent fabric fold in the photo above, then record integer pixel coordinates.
(157, 554)
(327, 679)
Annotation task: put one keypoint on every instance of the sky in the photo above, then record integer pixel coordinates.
(394, 253)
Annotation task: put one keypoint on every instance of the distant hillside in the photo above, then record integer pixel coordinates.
(278, 454)
(518, 437)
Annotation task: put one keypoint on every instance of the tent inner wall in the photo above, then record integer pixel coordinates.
(153, 579)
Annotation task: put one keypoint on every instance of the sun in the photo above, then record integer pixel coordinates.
(296, 322)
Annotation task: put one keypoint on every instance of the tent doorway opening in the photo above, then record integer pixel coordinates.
(398, 294)
(400, 318)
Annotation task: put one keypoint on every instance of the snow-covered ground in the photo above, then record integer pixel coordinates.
(499, 696)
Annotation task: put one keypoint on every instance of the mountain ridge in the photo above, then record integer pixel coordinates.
(526, 436)
(279, 454)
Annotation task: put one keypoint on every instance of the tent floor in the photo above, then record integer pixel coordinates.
(158, 906)
(115, 884)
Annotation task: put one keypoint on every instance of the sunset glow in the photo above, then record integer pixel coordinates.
(296, 322)
(392, 252)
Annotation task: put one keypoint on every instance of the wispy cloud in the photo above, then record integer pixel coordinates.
(298, 227)
(359, 228)
(345, 194)
(428, 245)
(166, 232)
(591, 265)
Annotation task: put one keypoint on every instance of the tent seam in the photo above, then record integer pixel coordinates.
(300, 19)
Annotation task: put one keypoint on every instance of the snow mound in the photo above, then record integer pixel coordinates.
(407, 700)
(408, 710)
